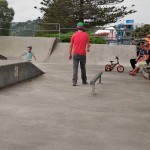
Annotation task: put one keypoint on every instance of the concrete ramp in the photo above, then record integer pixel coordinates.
(16, 72)
(60, 54)
(99, 54)
(103, 54)
(12, 47)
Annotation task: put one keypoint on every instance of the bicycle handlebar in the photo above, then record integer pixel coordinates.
(117, 58)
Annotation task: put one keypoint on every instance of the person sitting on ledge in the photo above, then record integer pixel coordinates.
(143, 60)
(140, 54)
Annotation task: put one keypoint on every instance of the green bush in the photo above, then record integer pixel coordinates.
(93, 40)
(66, 38)
(97, 40)
(41, 34)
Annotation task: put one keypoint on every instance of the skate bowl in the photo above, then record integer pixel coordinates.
(49, 50)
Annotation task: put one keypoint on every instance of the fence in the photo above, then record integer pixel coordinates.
(35, 29)
(30, 28)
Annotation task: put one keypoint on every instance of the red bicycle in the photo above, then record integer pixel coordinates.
(110, 67)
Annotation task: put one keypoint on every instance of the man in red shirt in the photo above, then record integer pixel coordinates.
(79, 45)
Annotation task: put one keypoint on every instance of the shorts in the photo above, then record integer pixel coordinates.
(140, 64)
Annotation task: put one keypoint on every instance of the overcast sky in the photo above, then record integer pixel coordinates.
(24, 10)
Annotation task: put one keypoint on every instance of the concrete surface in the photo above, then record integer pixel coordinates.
(48, 113)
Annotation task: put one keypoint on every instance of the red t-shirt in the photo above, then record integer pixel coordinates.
(79, 41)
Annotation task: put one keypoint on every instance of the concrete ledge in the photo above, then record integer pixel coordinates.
(13, 73)
(146, 72)
(3, 57)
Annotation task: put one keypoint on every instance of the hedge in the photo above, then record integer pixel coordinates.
(66, 38)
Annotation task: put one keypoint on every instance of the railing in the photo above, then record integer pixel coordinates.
(31, 28)
(94, 79)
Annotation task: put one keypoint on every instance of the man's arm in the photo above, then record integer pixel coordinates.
(88, 44)
(70, 51)
(137, 58)
(87, 47)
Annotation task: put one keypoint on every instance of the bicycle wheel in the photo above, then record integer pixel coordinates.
(107, 67)
(120, 68)
(111, 67)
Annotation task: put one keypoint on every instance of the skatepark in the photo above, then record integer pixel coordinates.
(48, 113)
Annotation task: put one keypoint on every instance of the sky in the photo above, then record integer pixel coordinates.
(24, 10)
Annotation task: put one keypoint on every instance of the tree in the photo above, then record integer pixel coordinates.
(142, 31)
(6, 16)
(96, 12)
(58, 11)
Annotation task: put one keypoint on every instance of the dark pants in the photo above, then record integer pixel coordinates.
(76, 59)
(133, 62)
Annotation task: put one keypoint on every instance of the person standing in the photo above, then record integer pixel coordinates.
(28, 54)
(79, 45)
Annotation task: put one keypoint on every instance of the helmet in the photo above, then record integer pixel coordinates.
(80, 25)
(29, 47)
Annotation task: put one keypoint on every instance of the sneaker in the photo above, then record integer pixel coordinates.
(74, 83)
(85, 83)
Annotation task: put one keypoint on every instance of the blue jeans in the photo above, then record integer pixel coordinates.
(76, 59)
